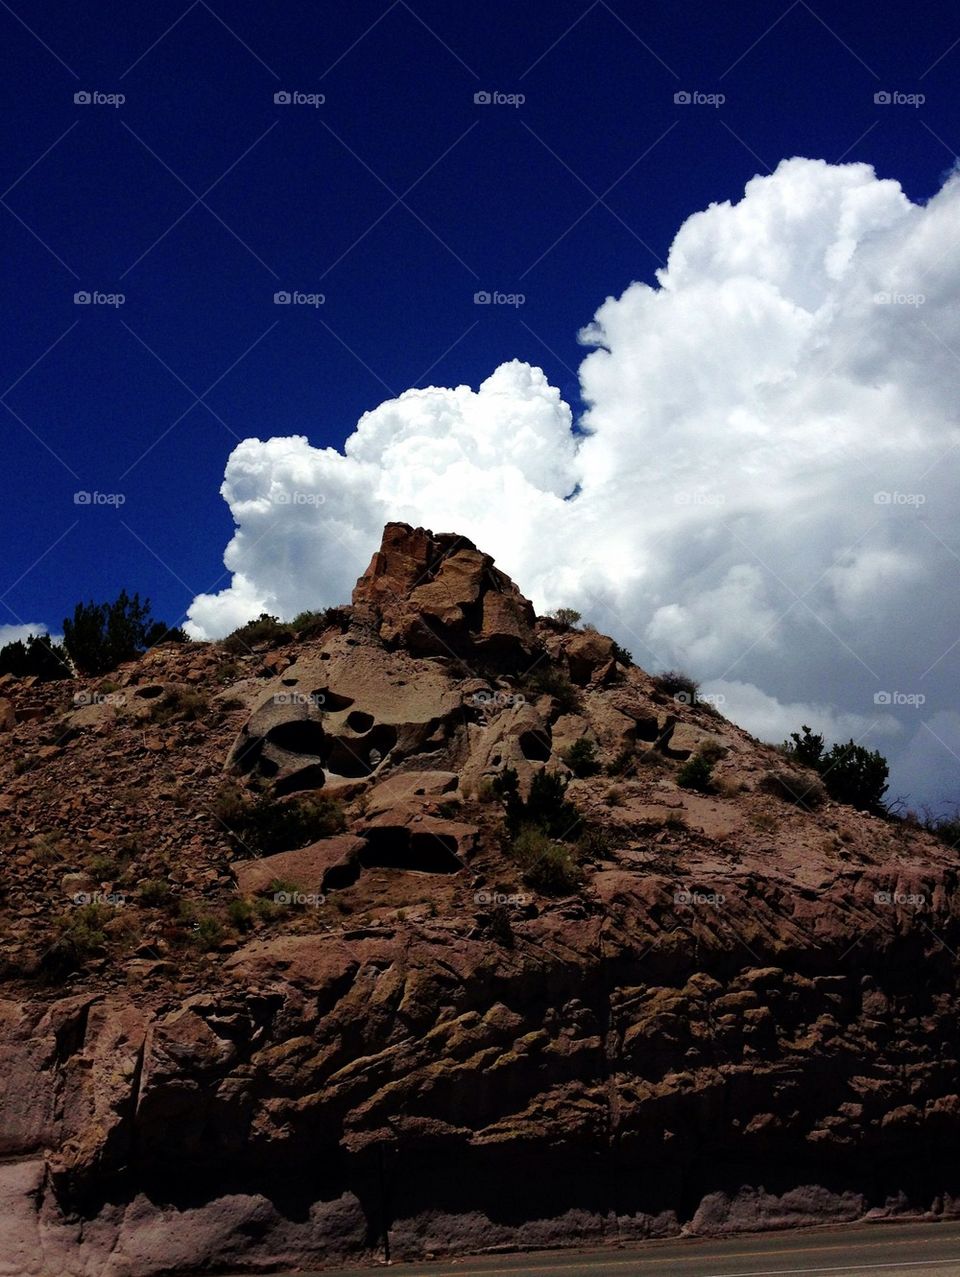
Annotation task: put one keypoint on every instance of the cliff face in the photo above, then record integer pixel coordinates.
(738, 1011)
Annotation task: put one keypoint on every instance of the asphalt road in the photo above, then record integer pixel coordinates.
(878, 1250)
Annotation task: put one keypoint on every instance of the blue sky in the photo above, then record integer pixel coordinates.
(565, 198)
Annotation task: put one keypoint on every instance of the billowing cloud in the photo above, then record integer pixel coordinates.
(761, 488)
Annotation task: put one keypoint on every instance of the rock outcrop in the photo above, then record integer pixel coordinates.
(738, 1010)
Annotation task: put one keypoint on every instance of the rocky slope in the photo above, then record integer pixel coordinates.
(231, 1039)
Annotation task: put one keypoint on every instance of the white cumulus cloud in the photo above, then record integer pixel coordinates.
(761, 488)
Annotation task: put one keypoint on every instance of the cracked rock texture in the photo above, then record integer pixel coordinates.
(743, 1017)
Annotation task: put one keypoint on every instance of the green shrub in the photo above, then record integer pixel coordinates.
(807, 749)
(179, 704)
(311, 624)
(696, 773)
(81, 937)
(568, 616)
(546, 808)
(208, 932)
(805, 789)
(678, 685)
(855, 775)
(547, 680)
(624, 762)
(265, 629)
(545, 864)
(100, 636)
(851, 773)
(581, 758)
(264, 825)
(622, 655)
(154, 893)
(38, 657)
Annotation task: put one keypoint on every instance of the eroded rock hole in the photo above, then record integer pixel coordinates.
(535, 747)
(310, 777)
(332, 702)
(400, 849)
(355, 758)
(301, 736)
(358, 721)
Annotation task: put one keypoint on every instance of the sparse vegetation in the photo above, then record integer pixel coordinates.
(547, 680)
(544, 863)
(310, 624)
(100, 636)
(622, 655)
(851, 773)
(679, 685)
(262, 825)
(81, 936)
(696, 773)
(179, 704)
(38, 657)
(624, 762)
(154, 893)
(265, 629)
(546, 808)
(581, 758)
(805, 789)
(568, 616)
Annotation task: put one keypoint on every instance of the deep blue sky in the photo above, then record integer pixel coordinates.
(487, 206)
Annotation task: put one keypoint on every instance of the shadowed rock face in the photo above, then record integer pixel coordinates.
(745, 1016)
(439, 595)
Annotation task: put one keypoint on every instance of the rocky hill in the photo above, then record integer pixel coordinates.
(306, 959)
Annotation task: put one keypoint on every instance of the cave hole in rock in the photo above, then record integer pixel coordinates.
(401, 848)
(535, 746)
(247, 754)
(300, 736)
(310, 777)
(150, 692)
(289, 682)
(359, 722)
(331, 702)
(355, 758)
(338, 877)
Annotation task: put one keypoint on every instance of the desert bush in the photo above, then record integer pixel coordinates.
(855, 775)
(544, 863)
(38, 657)
(622, 655)
(677, 684)
(546, 808)
(805, 789)
(851, 773)
(81, 936)
(581, 758)
(568, 616)
(263, 825)
(696, 773)
(179, 704)
(154, 893)
(264, 629)
(100, 636)
(624, 762)
(310, 624)
(547, 680)
(806, 749)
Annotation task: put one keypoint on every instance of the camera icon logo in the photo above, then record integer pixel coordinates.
(682, 98)
(882, 98)
(82, 498)
(882, 698)
(482, 299)
(82, 98)
(282, 97)
(282, 897)
(282, 298)
(82, 299)
(483, 98)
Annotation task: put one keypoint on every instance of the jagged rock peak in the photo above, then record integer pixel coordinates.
(435, 593)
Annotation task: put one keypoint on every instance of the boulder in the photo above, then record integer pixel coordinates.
(329, 861)
(436, 593)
